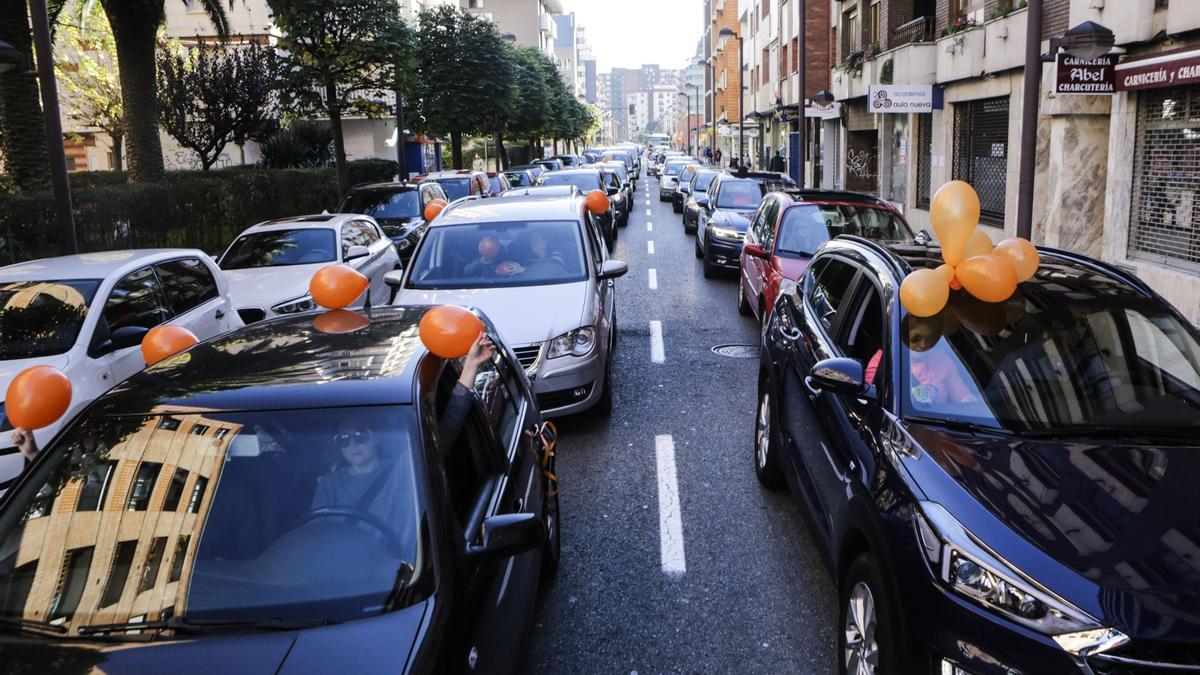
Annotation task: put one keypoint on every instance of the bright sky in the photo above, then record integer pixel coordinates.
(629, 33)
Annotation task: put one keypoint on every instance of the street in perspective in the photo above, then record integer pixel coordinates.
(563, 336)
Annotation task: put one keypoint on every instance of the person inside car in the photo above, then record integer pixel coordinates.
(934, 378)
(541, 260)
(489, 255)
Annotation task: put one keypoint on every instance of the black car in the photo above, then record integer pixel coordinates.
(550, 164)
(571, 161)
(697, 197)
(399, 208)
(732, 200)
(1000, 488)
(587, 180)
(621, 194)
(282, 499)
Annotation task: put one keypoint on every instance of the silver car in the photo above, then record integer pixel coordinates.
(537, 265)
(668, 180)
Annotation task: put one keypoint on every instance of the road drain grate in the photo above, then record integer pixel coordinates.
(737, 351)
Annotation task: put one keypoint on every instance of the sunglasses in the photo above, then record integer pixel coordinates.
(347, 439)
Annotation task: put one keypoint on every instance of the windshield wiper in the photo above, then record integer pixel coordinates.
(183, 625)
(957, 425)
(32, 625)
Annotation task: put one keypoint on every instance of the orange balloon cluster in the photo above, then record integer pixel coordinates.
(597, 202)
(449, 331)
(166, 340)
(37, 397)
(988, 272)
(433, 208)
(336, 286)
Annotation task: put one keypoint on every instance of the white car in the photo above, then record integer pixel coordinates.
(270, 264)
(87, 314)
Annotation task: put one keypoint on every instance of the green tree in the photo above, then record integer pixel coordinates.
(135, 25)
(87, 76)
(465, 71)
(339, 56)
(531, 111)
(22, 130)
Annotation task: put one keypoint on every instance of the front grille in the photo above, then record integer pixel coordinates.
(1148, 657)
(528, 356)
(251, 315)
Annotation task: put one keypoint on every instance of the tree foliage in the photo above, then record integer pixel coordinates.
(90, 86)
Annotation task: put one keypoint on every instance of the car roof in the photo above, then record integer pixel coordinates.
(98, 265)
(817, 196)
(317, 221)
(282, 364)
(565, 190)
(402, 186)
(574, 171)
(515, 208)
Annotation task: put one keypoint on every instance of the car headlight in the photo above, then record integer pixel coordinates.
(967, 567)
(726, 233)
(578, 342)
(297, 306)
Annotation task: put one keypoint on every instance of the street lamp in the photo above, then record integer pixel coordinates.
(726, 33)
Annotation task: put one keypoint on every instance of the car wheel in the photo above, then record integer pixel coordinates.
(699, 251)
(676, 208)
(766, 441)
(605, 404)
(710, 270)
(743, 306)
(866, 641)
(552, 548)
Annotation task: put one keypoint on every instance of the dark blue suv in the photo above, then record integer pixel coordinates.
(1001, 488)
(721, 225)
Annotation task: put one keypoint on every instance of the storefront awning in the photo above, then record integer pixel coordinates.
(1171, 69)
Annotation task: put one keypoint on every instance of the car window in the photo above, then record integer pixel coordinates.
(501, 403)
(584, 181)
(704, 180)
(465, 454)
(136, 300)
(383, 204)
(770, 217)
(457, 188)
(829, 288)
(806, 227)
(862, 337)
(739, 194)
(187, 283)
(356, 234)
(277, 248)
(42, 318)
(595, 241)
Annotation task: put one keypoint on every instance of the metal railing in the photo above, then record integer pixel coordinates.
(919, 29)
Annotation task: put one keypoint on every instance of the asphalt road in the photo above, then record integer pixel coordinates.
(704, 573)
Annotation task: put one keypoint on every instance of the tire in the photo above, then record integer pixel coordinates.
(766, 441)
(699, 251)
(710, 270)
(552, 548)
(604, 405)
(676, 207)
(742, 305)
(871, 620)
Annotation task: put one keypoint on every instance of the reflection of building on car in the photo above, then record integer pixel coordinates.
(270, 264)
(538, 266)
(398, 209)
(990, 471)
(213, 498)
(87, 314)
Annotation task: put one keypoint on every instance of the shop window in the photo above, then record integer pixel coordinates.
(981, 153)
(1165, 213)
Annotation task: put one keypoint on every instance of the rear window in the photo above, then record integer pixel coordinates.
(584, 181)
(805, 228)
(383, 205)
(281, 247)
(456, 188)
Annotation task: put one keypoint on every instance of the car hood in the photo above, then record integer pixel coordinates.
(267, 286)
(792, 268)
(1121, 517)
(11, 368)
(738, 219)
(376, 645)
(523, 314)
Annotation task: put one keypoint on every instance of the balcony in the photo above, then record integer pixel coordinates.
(992, 47)
(1005, 42)
(961, 55)
(914, 59)
(852, 83)
(919, 29)
(548, 26)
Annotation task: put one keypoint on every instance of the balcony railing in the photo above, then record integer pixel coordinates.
(919, 29)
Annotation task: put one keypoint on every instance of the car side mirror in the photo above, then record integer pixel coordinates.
(611, 269)
(838, 376)
(356, 252)
(755, 251)
(702, 201)
(612, 191)
(394, 279)
(508, 535)
(122, 338)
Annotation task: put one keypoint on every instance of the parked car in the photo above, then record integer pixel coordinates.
(398, 209)
(697, 197)
(789, 227)
(270, 265)
(620, 194)
(1002, 488)
(538, 266)
(571, 161)
(279, 501)
(462, 183)
(587, 180)
(87, 314)
(497, 184)
(668, 179)
(519, 178)
(550, 164)
(683, 187)
(733, 199)
(535, 169)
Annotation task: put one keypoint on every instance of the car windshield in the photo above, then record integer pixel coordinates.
(42, 318)
(805, 228)
(703, 180)
(518, 179)
(456, 188)
(277, 248)
(1054, 360)
(384, 205)
(494, 184)
(586, 182)
(491, 255)
(675, 168)
(274, 517)
(742, 194)
(620, 168)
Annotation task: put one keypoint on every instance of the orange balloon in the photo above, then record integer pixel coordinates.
(979, 244)
(924, 292)
(339, 321)
(1023, 256)
(37, 397)
(597, 202)
(954, 213)
(335, 286)
(166, 340)
(449, 331)
(946, 271)
(990, 278)
(433, 208)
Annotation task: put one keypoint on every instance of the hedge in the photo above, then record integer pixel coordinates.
(192, 209)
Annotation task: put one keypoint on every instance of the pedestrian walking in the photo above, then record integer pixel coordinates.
(478, 164)
(778, 165)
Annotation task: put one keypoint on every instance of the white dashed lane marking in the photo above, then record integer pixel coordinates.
(658, 353)
(670, 523)
(650, 247)
(649, 227)
(653, 279)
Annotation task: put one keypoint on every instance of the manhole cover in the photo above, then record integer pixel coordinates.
(737, 351)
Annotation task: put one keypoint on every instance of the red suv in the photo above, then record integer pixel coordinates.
(791, 225)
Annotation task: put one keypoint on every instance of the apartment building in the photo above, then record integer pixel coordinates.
(723, 61)
(1118, 174)
(531, 21)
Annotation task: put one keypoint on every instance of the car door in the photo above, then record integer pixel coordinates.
(772, 273)
(193, 296)
(757, 232)
(605, 289)
(135, 301)
(804, 424)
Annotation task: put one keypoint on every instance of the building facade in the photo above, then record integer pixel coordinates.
(531, 21)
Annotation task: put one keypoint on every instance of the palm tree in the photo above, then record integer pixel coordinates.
(135, 25)
(22, 130)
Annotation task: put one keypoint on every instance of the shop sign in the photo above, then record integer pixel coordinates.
(1168, 70)
(1081, 76)
(900, 98)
